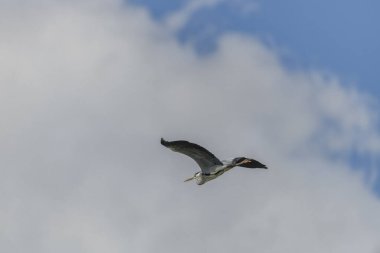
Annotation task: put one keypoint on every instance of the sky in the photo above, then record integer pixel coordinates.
(89, 87)
(338, 36)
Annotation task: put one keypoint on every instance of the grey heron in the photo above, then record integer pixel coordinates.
(211, 166)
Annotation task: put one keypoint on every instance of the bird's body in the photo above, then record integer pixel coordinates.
(211, 166)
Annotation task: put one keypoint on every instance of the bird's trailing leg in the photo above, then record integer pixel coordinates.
(189, 179)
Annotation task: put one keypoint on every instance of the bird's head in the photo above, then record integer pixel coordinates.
(238, 160)
(248, 163)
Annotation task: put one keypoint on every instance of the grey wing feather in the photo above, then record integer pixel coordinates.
(204, 158)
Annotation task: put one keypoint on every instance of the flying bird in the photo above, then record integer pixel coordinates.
(211, 166)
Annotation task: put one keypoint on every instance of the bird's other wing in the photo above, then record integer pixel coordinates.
(204, 158)
(249, 163)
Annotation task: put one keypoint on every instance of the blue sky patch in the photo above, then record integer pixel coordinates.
(335, 36)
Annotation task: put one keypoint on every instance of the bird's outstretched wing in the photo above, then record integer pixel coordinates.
(204, 158)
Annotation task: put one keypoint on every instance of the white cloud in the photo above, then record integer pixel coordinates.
(175, 21)
(88, 90)
(247, 7)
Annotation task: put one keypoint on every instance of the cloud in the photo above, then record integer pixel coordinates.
(175, 21)
(89, 88)
(246, 7)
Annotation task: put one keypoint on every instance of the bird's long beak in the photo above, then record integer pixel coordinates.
(189, 179)
(243, 162)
